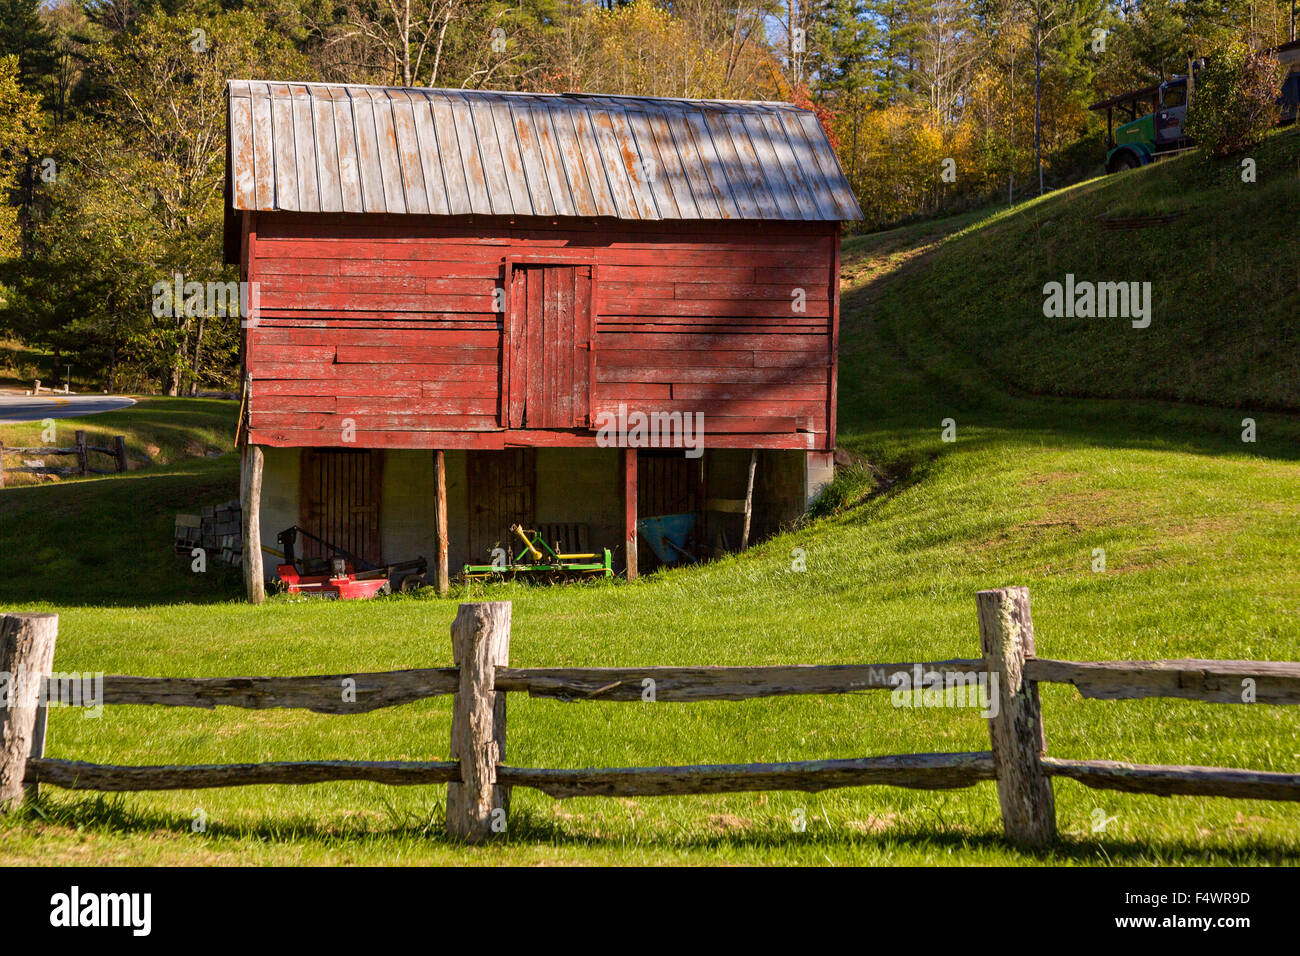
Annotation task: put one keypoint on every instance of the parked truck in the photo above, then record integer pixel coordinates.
(1144, 125)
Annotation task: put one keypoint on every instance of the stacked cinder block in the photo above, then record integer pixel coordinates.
(216, 529)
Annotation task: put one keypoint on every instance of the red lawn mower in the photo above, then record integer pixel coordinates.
(342, 575)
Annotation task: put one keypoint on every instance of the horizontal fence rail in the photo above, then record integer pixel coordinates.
(81, 451)
(1214, 682)
(75, 775)
(1168, 781)
(479, 779)
(916, 771)
(326, 694)
(714, 683)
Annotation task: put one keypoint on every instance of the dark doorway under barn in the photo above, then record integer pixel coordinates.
(339, 502)
(502, 492)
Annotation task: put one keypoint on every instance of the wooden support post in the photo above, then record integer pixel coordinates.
(749, 499)
(2, 464)
(1016, 727)
(250, 504)
(119, 452)
(441, 574)
(83, 456)
(26, 656)
(480, 639)
(629, 510)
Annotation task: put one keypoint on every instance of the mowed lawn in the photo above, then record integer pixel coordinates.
(1200, 534)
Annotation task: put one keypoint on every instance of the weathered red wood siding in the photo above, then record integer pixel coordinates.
(390, 322)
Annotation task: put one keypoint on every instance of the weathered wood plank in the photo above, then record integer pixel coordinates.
(581, 151)
(263, 149)
(241, 151)
(715, 683)
(77, 775)
(345, 138)
(562, 190)
(1215, 682)
(1172, 780)
(459, 193)
(914, 771)
(390, 164)
(380, 372)
(323, 694)
(327, 152)
(527, 163)
(304, 140)
(409, 154)
(740, 308)
(497, 440)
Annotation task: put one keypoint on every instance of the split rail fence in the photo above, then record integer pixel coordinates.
(479, 782)
(80, 449)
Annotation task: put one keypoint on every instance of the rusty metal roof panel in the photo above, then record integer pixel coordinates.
(315, 147)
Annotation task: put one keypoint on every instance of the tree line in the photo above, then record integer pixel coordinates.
(112, 117)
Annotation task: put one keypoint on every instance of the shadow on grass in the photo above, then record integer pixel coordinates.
(109, 541)
(115, 814)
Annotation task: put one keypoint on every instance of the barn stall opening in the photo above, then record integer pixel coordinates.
(479, 292)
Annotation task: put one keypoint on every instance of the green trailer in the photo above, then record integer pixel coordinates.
(538, 560)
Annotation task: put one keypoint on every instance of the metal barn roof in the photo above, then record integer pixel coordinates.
(311, 147)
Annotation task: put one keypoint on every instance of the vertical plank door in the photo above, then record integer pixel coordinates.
(551, 334)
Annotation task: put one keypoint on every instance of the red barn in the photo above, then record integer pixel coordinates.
(456, 290)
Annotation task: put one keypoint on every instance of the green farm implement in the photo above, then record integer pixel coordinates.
(539, 561)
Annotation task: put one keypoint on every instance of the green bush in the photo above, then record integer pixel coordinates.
(1235, 100)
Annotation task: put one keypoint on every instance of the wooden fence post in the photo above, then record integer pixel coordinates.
(26, 656)
(480, 639)
(1016, 728)
(83, 455)
(119, 452)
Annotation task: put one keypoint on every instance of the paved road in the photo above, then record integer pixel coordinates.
(31, 408)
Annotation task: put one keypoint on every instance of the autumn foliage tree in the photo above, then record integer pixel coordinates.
(1234, 103)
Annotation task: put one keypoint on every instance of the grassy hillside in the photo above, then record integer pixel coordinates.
(158, 431)
(1225, 287)
(1201, 535)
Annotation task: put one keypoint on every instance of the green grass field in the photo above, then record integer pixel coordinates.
(1199, 530)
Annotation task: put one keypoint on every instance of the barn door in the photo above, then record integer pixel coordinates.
(501, 493)
(548, 357)
(340, 501)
